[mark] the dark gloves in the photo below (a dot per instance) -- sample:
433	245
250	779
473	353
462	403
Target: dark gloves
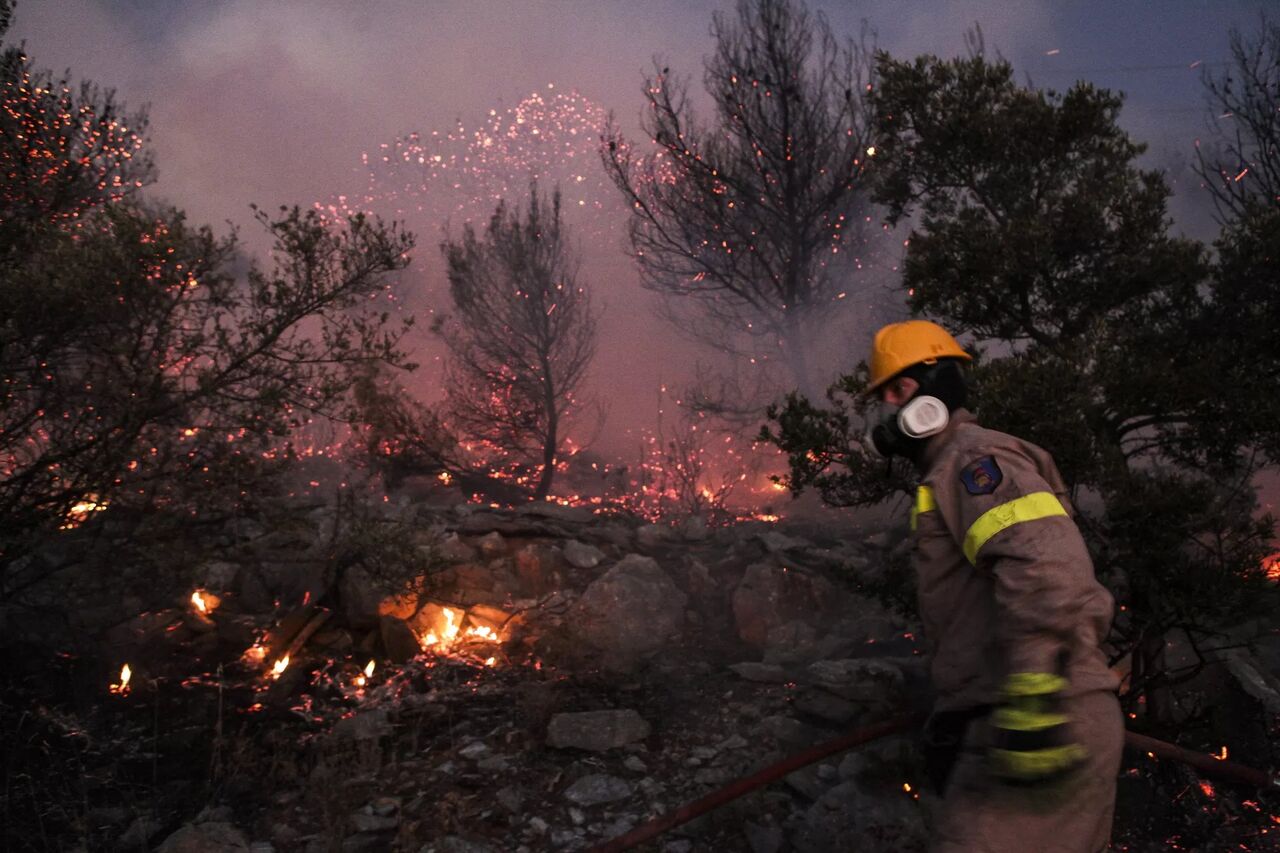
1030	740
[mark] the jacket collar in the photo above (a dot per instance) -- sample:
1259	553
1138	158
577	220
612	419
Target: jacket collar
934	445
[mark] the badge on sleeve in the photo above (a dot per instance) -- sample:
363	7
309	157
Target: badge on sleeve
981	477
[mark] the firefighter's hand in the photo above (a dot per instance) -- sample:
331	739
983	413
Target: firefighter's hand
1030	738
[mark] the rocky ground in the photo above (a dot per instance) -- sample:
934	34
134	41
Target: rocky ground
547	679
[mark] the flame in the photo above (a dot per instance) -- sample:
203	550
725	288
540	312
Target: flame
483	633
205	602
278	668
1271	566
81	510
123	687
490	661
1223	755
363	678
445	477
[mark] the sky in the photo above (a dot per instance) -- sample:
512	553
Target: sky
276	101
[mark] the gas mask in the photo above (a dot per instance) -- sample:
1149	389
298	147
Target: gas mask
903	431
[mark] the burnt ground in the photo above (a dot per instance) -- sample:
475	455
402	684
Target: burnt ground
445	753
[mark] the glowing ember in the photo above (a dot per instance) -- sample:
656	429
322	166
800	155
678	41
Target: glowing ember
81	510
255	654
1223	755
445	477
122	688
1206	787
490	661
205	602
278	668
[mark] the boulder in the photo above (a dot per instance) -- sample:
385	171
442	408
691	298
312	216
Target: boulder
596	788
770	595
398	639
596	731
872	683
631	611
582	556
213	837
539	567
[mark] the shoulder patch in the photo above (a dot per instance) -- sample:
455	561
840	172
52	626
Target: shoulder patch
981	476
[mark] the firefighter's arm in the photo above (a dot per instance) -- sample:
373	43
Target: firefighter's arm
1012	525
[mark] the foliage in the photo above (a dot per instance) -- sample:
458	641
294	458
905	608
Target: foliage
522	337
741	220
146	369
1104	338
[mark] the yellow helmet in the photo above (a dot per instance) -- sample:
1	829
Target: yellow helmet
900	345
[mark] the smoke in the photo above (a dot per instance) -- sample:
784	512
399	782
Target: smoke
277	103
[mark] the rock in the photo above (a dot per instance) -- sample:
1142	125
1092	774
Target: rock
139	832
460	844
596	731
848	818
538	568
398	639
770	595
763	673
217	575
827	706
367	725
734	741
538	825
694	529
762	839
209	837
873	683
650	536
492	544
788	731
630	611
792	643
474	750
453	549
360	598
577	816
635	764
680	845
807	782
510	799
582	556
361	822
597	788
775	542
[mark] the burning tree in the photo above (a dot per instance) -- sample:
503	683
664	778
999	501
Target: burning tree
522	335
746	218
145	371
1037	233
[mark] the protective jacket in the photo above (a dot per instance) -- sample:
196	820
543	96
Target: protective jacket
1006	585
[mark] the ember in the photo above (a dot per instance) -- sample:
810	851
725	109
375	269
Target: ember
278	668
81	510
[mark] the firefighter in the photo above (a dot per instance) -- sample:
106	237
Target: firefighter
1025	738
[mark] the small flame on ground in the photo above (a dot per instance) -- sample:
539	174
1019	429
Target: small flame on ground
363	678
123	687
81	510
490	661
278	668
1223	755
198	600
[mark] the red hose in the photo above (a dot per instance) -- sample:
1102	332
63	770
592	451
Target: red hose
1207	764
715	799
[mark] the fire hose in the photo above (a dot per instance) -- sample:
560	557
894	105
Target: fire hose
1210	765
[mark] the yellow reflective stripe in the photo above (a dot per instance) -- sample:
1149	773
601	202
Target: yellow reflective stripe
1038	763
1033	684
1016	720
924	503
1030	507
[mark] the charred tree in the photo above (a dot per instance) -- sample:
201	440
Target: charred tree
521	337
741	222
